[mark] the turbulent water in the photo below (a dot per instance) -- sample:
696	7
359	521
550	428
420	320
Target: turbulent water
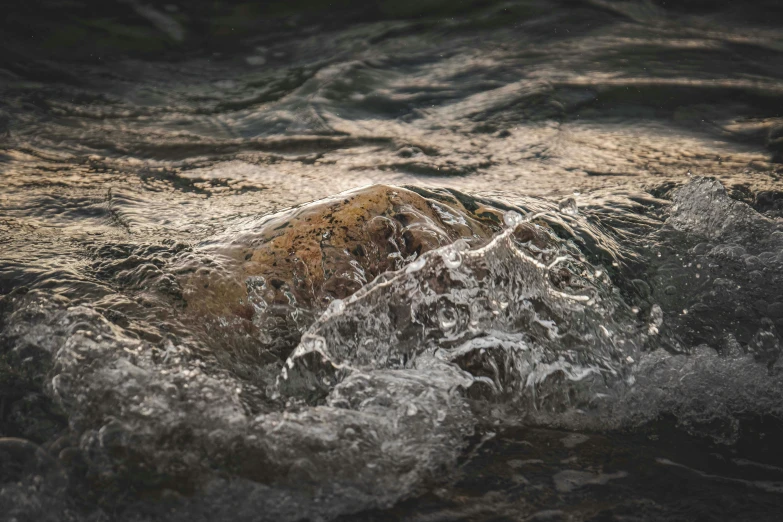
491	261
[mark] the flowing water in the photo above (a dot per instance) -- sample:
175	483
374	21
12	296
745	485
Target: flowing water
408	261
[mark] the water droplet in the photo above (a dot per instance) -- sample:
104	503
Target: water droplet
312	343
452	257
512	218
336	307
568	207
447	317
656	319
416	265
502	300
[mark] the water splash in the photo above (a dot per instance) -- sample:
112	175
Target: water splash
517	315
386	385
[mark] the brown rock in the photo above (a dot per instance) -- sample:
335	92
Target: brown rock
269	284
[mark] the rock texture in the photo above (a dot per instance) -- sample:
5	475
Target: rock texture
269	281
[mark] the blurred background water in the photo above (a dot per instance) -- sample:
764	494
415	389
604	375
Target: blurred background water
560	300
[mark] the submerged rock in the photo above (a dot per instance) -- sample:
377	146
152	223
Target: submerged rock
276	274
523	316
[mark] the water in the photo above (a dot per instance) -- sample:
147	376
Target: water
489	261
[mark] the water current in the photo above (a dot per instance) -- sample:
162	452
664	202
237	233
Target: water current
426	261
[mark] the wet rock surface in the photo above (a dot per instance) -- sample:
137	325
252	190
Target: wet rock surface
276	275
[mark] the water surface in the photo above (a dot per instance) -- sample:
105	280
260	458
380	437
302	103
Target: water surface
485	261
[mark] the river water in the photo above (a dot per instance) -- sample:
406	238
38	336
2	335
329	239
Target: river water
480	260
